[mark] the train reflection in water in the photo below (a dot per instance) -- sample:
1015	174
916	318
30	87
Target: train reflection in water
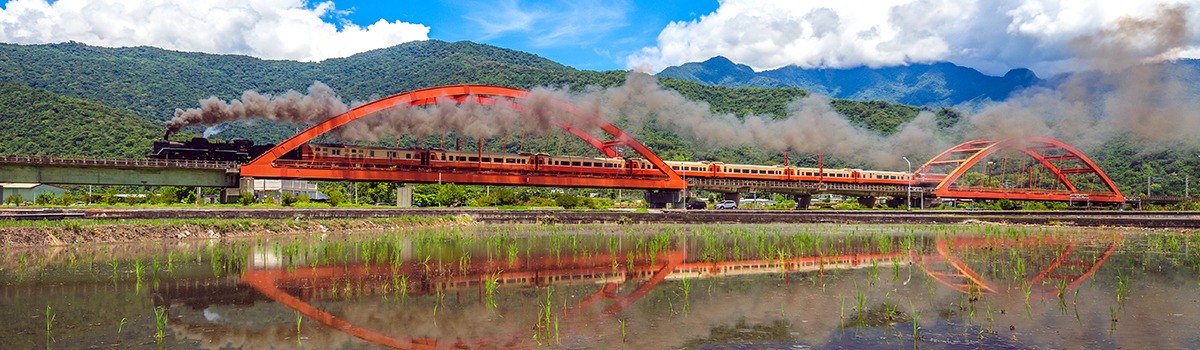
396	294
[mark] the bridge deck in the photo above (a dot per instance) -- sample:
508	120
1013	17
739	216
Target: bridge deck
136	172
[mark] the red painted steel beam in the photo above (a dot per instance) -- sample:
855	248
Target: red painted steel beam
264	166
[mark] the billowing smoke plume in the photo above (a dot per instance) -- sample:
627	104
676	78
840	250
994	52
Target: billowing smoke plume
1126	89
319	104
811	125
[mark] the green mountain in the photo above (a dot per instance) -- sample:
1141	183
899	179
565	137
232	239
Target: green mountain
39	122
935	85
152	82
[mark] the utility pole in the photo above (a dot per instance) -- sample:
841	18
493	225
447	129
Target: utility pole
908	205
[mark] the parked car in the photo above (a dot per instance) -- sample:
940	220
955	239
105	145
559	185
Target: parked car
726	204
697	205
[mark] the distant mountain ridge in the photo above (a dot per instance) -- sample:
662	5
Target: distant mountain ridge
933	85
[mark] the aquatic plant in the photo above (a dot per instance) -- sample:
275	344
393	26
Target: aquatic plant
489	286
50	326
916	323
160	322
299	319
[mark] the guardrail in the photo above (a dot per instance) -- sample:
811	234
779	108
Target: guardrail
141	163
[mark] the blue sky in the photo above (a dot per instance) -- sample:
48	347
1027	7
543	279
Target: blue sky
992	36
594	35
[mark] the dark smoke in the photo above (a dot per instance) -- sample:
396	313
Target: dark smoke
319	104
811	125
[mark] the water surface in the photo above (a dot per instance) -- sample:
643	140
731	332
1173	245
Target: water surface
616	286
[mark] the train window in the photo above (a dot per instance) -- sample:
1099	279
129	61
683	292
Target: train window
406	155
336	152
473	159
574	163
587	163
487	159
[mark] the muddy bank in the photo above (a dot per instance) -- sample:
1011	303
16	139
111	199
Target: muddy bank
69	232
79	226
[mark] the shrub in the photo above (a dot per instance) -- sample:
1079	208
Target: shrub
14	200
287	199
245	199
44	199
566	200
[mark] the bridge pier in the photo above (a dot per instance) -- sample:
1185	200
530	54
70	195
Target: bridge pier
895	201
665	199
733	196
803	201
867	201
404	196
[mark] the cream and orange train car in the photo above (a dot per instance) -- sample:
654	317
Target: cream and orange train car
376	157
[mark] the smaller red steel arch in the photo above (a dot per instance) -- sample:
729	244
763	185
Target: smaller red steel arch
965	279
980	149
264	165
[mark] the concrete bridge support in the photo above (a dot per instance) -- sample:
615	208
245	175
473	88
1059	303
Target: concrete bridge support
803	201
665	199
867	201
404	196
895	201
734	196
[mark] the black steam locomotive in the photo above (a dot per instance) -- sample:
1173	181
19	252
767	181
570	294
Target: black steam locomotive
200	148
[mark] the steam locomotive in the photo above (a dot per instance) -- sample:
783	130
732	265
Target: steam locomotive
200	148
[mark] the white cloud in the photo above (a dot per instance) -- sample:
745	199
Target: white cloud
991	35
273	29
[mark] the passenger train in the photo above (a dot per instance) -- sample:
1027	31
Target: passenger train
437	158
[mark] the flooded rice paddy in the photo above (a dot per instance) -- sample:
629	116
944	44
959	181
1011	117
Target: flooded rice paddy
616	286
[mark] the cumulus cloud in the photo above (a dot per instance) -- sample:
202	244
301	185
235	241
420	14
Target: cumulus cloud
273	29
990	35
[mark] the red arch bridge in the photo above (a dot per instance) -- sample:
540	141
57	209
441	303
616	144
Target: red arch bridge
1041	169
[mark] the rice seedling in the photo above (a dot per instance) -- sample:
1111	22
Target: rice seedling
299	320
121	325
860	298
916	323
490	290
160	322
50	316
1122	289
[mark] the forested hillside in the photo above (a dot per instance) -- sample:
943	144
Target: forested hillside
38	122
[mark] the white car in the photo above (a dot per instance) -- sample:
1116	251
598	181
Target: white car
726	204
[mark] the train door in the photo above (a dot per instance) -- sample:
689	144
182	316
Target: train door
423	156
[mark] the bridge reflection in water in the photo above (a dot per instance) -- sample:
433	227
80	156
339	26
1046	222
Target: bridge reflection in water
417	294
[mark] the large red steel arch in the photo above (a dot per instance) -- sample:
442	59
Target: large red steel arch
1045	151
268	166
